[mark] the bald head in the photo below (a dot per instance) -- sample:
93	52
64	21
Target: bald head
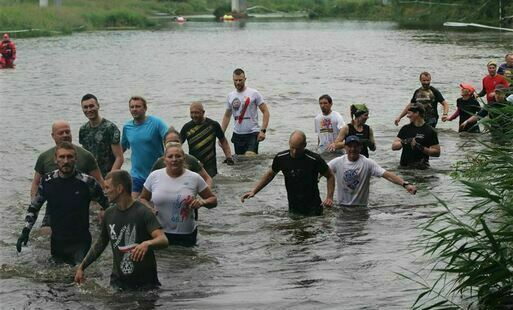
61	131
197	112
297	143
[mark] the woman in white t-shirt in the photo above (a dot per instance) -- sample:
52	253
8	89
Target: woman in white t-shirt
174	192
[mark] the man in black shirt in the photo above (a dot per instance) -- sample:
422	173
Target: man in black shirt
68	193
201	133
134	232
301	169
417	140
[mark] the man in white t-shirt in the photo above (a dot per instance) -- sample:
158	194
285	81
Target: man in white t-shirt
353	172
242	103
327	125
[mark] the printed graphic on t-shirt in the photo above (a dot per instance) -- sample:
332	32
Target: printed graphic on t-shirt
125	243
181	210
351	178
326	125
236	104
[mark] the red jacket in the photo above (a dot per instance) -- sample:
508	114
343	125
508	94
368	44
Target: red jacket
489	84
8	49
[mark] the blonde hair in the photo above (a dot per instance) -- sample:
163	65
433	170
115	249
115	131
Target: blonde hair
177	145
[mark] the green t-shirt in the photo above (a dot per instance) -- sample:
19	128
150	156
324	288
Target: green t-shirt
191	162
46	161
99	140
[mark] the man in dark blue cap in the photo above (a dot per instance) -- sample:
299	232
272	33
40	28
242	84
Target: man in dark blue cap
353	172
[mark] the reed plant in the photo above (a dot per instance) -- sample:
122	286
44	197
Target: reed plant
471	249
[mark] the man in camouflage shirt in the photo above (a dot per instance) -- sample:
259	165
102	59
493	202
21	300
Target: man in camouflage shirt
100	136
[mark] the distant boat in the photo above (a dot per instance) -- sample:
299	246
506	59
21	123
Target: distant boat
227	18
457	24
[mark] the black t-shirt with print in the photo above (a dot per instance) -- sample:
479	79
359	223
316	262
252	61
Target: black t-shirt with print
426	136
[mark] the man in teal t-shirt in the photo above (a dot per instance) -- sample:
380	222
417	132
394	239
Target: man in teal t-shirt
143	135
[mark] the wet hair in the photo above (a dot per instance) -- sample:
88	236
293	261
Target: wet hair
139	98
238	71
121	177
358	110
170	131
419	108
89	96
425	73
327	97
66	146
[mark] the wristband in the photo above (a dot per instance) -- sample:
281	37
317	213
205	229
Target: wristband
405	184
263	130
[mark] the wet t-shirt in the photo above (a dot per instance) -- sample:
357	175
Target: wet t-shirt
426	136
126	229
301	180
327	128
429	98
244	108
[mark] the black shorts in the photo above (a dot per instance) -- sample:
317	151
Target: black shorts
187	240
67	251
245	142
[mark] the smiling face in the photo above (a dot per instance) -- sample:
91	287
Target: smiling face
90	108
353	150
197	114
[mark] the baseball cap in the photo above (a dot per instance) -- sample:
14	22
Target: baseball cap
491	62
468	87
351	139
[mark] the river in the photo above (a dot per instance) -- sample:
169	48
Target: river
256	255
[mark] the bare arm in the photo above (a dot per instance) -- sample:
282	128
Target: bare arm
266	178
397	145
372	141
145	199
339	141
207	200
93	254
204	174
330	184
445	106
403	113
399	181
226	120
265	122
98	176
117	150
226	148
158	241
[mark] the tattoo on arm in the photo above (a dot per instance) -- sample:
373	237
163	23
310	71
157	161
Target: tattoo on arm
96	250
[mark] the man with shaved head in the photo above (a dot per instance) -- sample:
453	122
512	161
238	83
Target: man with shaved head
85	162
301	169
201	133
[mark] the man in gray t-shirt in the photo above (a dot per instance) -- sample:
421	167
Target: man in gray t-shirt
353	172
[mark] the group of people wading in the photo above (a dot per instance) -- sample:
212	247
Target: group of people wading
157	203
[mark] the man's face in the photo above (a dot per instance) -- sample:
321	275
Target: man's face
239	81
425	80
197	114
112	192
61	133
137	109
296	148
499	96
90	108
325	106
509	60
65	160
353	150
492	70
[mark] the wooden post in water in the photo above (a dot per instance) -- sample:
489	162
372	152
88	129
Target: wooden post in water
239	6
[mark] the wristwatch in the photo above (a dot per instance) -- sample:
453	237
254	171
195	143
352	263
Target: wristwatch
263	130
405	184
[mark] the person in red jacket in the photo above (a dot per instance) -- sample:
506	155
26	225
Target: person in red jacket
491	81
8	52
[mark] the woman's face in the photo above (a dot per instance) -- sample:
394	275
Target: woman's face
174	158
363	118
465	93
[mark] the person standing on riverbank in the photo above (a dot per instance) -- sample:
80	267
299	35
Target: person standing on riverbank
134	233
327	125
353	172
200	133
357	127
491	81
143	135
7	52
100	136
68	193
242	103
301	169
429	97
506	69
418	140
